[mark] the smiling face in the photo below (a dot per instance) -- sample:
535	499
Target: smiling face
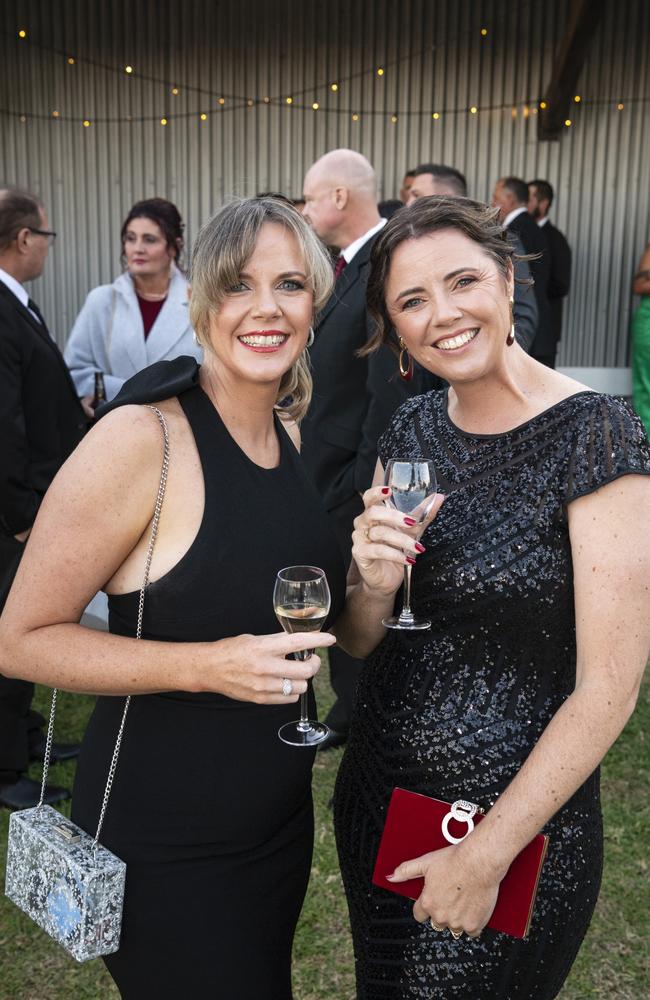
146	250
261	326
448	300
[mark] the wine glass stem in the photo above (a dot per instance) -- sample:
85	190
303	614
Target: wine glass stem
303	724
406	613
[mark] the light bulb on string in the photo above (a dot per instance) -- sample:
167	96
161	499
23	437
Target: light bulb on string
543	105
567	122
71	60
315	106
128	69
380	71
222	101
175	91
435	116
86	123
620	106
204	117
484	32
289	100
334	87
355	118
22	33
473	110
163	121
56	114
393	118
577	98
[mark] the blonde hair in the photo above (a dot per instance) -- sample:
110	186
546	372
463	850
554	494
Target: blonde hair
222	248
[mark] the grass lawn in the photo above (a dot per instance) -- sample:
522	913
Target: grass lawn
614	962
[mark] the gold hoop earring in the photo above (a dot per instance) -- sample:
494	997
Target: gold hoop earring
510	339
405	370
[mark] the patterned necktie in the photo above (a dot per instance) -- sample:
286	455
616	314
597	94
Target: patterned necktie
339	266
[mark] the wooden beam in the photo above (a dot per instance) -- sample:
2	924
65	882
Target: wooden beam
559	94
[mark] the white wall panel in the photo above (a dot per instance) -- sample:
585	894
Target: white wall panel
434	58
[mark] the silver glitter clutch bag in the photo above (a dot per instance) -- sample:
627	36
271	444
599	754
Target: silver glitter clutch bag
63	878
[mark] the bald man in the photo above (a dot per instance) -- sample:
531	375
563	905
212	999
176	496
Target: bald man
354	398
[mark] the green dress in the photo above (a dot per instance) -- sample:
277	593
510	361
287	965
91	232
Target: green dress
641	361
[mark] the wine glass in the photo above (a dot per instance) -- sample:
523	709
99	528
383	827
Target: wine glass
301	599
413	486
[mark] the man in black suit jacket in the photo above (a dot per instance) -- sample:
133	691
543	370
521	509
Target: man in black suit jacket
540	199
511	197
41	422
354	398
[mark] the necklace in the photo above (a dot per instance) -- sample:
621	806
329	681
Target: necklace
153	296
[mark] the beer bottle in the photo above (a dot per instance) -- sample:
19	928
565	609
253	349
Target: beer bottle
100	391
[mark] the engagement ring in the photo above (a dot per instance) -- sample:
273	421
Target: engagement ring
287	687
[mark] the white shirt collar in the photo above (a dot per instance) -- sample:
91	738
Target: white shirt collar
511	216
14	286
350	251
542	222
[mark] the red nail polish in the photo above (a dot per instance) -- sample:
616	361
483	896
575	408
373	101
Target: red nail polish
411	561
385	490
420	547
409	521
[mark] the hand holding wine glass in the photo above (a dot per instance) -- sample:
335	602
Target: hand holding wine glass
301	599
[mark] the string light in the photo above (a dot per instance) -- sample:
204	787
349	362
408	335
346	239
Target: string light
380	71
70	60
175	91
204	117
289	100
484	32
577	98
620	106
567	122
334	87
315	106
355	118
473	110
222	101
163	121
55	114
267	100
543	105
526	111
514	112
250	102
128	69
23	119
435	116
393	118
86	123
22	33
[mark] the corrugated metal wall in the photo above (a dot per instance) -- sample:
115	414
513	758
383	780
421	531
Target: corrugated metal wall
434	59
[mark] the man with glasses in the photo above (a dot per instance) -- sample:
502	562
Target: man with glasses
41	422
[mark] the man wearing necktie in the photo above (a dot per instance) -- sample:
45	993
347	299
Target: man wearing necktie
354	398
41	422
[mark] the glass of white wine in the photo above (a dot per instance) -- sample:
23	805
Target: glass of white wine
413	486
301	599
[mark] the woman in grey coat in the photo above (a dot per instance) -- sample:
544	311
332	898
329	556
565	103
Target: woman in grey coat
143	316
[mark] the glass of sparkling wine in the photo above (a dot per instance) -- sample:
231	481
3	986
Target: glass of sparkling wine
413	487
301	599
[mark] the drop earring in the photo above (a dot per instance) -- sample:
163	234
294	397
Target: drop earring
510	339
405	370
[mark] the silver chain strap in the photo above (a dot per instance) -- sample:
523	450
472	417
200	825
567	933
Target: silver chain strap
138	634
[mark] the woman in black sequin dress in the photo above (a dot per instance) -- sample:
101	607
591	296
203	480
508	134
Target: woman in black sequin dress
535	575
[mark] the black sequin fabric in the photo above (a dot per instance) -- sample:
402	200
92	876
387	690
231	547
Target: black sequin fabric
454	712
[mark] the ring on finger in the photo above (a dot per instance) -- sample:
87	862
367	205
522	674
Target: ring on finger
436	927
287	686
455	934
367	532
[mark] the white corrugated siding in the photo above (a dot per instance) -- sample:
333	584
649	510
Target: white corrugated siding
434	59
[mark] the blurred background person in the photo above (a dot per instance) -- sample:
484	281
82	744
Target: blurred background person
143	316
540	199
436	178
405	187
641	341
511	198
353	398
388	208
41	422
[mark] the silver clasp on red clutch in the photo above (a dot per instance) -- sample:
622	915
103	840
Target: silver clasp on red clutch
462	812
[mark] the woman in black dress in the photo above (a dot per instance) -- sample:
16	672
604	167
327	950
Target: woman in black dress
535	575
211	812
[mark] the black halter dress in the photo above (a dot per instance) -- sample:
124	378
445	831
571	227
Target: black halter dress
211	812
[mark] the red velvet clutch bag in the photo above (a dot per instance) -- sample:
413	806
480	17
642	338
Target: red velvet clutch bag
416	825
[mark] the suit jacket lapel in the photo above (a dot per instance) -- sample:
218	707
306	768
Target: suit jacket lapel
347	280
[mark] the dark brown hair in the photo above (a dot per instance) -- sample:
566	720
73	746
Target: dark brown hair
479	222
165	215
18	210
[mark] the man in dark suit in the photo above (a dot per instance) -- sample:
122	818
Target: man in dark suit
444	181
41	422
354	398
540	199
511	197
